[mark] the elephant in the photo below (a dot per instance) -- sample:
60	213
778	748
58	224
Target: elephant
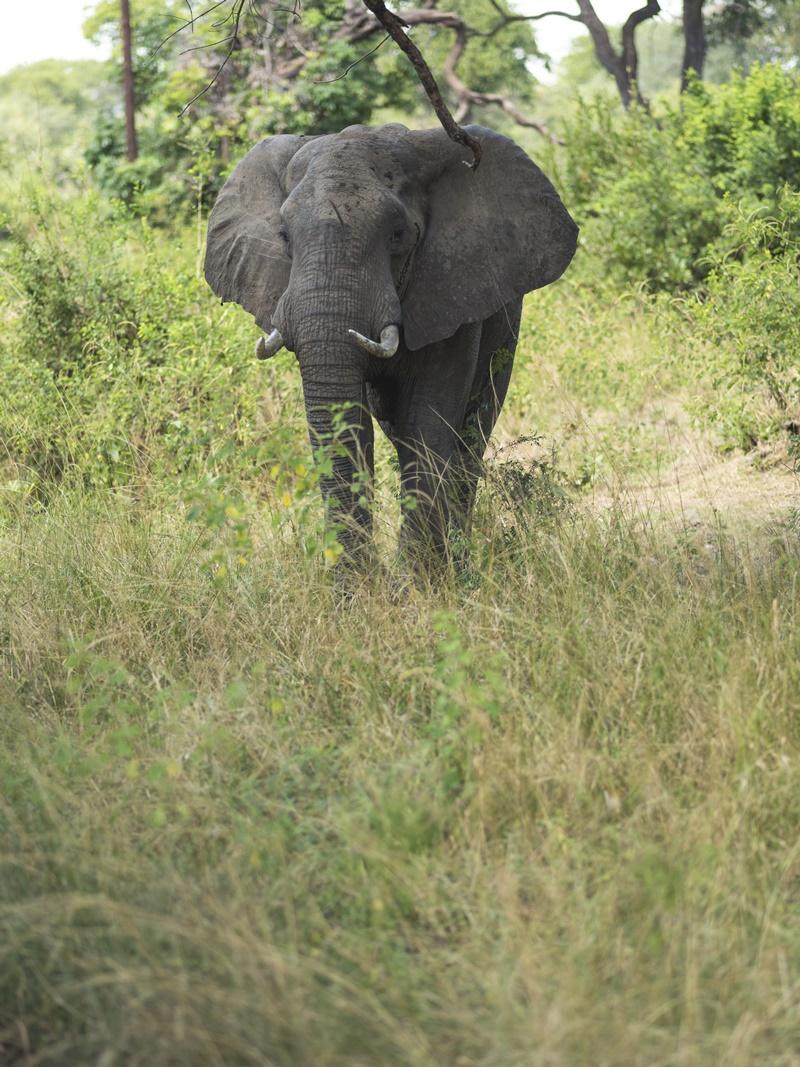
394	269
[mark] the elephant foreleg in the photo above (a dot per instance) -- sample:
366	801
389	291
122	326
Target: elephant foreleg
425	500
489	388
427	419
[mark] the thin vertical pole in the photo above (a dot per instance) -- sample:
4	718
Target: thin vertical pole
127	82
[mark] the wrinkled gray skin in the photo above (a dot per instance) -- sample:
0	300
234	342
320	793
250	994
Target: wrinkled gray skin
377	226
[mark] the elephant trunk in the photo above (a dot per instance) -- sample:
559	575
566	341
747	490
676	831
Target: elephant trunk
330	294
340	427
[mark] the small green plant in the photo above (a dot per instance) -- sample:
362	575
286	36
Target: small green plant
536	491
468	699
224	517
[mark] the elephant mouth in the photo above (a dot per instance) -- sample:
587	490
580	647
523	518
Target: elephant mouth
385	348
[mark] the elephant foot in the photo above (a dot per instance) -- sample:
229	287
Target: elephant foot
358	573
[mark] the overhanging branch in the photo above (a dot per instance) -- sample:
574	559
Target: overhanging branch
359	25
395	28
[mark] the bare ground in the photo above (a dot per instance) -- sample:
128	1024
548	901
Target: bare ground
697	485
703	487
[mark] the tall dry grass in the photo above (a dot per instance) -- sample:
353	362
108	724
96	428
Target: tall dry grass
545	813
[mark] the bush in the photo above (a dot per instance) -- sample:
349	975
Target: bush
744	134
117	357
655	193
750	314
74	295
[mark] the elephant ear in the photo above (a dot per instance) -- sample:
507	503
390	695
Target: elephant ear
246	260
491	235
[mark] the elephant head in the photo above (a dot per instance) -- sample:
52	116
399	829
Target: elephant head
345	245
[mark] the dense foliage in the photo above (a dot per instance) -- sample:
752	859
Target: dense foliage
117	348
750	314
235	94
655	193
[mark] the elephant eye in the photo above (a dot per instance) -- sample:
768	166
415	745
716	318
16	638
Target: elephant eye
397	235
283	233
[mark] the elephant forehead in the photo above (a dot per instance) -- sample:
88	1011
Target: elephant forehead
340	196
357	156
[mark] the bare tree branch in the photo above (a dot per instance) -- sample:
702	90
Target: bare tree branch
467	97
394	27
630	59
346	71
236	11
361	25
506	18
183	25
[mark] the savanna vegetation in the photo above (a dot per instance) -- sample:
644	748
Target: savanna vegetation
541	811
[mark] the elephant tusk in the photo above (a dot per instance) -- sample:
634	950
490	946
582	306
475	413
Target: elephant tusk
266	347
383	349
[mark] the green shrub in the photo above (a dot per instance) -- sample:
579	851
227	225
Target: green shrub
117	358
744	135
654	193
645	211
750	315
74	296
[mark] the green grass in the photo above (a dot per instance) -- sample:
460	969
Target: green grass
545	814
605	377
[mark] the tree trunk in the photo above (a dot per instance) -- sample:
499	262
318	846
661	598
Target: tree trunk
622	66
127	81
694	41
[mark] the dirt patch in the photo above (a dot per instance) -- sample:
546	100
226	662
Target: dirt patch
702	487
696	485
